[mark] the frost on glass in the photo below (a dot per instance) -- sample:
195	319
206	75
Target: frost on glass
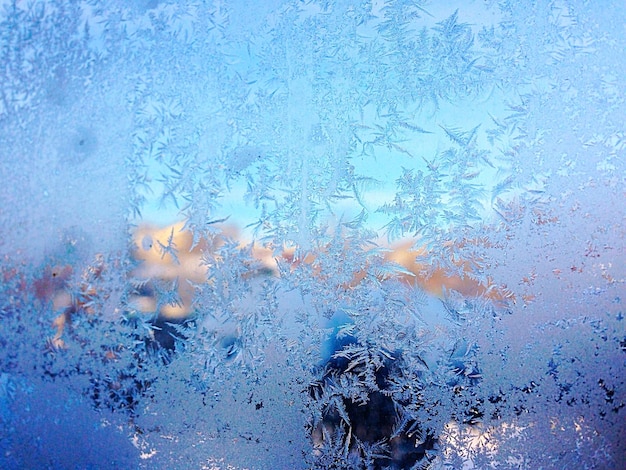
312	234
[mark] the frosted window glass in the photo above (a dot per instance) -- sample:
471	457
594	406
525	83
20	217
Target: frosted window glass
312	235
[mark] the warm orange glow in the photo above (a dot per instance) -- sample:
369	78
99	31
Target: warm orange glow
168	254
433	281
437	281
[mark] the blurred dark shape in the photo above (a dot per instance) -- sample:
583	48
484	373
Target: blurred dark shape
378	424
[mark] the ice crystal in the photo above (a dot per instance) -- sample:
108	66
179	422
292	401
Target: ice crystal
312	234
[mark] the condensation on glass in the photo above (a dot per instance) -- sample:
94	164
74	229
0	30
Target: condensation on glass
260	235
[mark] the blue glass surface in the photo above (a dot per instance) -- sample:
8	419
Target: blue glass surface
310	234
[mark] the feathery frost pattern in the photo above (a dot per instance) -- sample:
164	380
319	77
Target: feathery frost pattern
312	235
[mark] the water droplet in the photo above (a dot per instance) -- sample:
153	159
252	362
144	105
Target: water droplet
146	242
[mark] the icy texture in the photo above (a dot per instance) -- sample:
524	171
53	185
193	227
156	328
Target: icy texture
312	234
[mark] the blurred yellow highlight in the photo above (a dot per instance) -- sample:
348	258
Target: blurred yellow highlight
168	254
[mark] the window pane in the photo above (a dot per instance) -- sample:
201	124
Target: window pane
289	234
